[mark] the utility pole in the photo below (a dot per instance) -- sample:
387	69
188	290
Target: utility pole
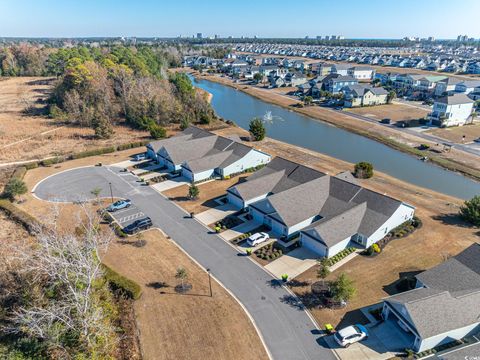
111	192
209	282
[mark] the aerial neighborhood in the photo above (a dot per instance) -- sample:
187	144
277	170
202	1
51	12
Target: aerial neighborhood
262	192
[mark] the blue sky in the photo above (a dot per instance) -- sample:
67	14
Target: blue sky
265	18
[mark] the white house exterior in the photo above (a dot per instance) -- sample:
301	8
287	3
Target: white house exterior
233	160
455	110
326	213
200	155
361	72
444	305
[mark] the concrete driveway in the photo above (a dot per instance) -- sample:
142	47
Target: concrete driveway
293	263
215	214
238	230
288	332
170	184
385	339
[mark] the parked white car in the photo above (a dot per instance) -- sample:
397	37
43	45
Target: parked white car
350	335
258	238
140	157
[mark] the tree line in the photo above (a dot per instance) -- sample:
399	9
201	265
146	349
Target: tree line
99	87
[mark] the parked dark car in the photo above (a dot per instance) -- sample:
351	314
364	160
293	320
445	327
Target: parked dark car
386	121
138	225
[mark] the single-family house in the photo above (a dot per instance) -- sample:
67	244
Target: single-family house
428	83
474	68
295	78
340	69
225	158
364	95
361	72
455	110
199	154
323	69
444	306
446	86
467	86
334	83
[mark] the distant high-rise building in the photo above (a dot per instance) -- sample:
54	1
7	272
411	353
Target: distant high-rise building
431	38
199	35
216	36
306	37
327	37
319	37
333	37
462	38
341	37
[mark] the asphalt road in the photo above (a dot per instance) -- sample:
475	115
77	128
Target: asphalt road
287	330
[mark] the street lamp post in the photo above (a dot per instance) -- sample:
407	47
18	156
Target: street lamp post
111	192
209	282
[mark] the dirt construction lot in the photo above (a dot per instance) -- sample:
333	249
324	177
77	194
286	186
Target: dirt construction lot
182	326
456	134
395	112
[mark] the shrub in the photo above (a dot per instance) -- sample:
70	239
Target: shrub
193	191
52	161
376	248
94	152
31	165
19	172
249	251
257	129
157	131
28	221
363	170
130	287
284	277
15	187
119	231
342	288
470	211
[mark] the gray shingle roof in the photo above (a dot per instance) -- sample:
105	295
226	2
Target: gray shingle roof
279	175
463	353
455	99
189	133
451	298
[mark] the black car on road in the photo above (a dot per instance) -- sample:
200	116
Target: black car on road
138	225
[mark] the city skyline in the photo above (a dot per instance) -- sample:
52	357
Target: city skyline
52	18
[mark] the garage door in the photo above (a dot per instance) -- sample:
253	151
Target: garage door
313	245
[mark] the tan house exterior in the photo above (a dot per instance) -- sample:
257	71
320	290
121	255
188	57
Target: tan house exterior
360	95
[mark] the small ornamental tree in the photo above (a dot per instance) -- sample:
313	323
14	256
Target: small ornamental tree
182	275
193	191
323	270
308	100
257	129
258	77
390	96
470	211
342	288
157	131
14	188
363	170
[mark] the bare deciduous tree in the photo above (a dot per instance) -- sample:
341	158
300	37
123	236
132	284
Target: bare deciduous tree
69	270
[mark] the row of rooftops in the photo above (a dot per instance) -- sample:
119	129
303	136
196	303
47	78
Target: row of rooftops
340	207
200	149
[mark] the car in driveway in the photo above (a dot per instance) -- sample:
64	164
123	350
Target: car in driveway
351	334
138	225
119	205
257	238
139	157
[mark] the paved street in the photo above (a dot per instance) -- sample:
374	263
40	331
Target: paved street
287	330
